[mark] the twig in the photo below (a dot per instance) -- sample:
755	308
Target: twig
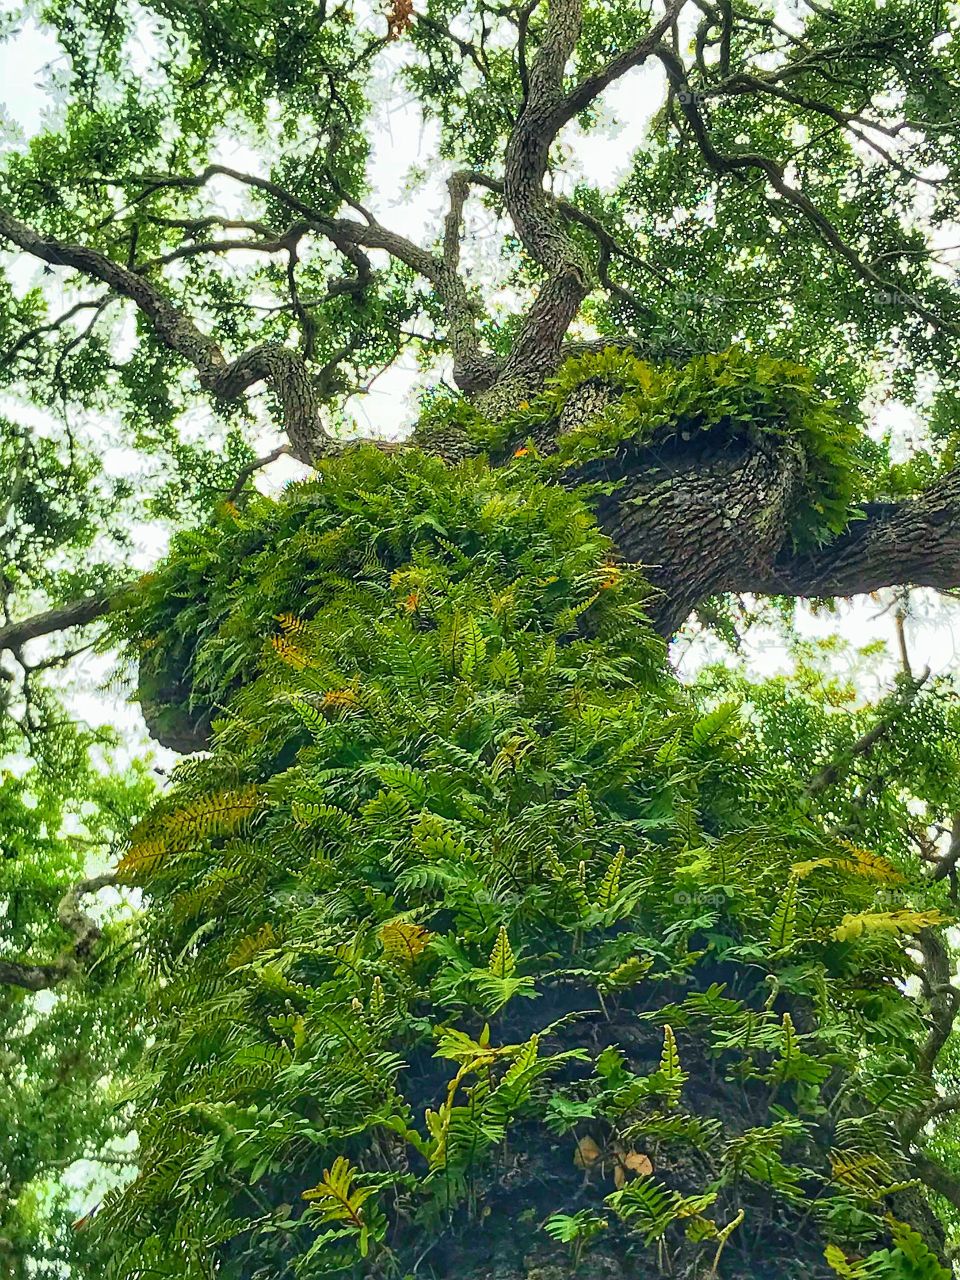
838	769
254	466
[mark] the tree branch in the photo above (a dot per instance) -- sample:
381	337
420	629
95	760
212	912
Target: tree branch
937	1177
280	366
75	614
253	467
947	865
84	931
915	542
740	162
472	368
537	220
942	997
836	770
579	98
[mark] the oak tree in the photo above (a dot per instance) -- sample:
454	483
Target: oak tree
476	942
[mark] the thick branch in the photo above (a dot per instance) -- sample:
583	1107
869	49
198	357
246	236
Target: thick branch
937	1177
947	865
943	998
916	542
177	331
538	221
349	236
284	369
76	614
580	97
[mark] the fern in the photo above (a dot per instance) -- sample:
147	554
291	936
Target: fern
672	1076
419	825
783	922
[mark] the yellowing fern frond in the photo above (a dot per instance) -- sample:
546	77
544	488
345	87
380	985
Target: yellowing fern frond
219	813
403	940
502	960
141	860
289	653
340	700
610	885
291	624
263	940
894	922
674	1077
335	1196
870	865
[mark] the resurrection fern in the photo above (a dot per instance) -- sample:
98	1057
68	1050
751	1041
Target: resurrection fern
730	393
468	913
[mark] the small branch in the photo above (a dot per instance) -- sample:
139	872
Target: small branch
349	237
51	326
943	998
740	162
76	614
588	90
937	1177
284	369
900	620
254	466
942	1106
947	865
838	769
83	929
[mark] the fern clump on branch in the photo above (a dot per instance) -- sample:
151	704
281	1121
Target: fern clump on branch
467	926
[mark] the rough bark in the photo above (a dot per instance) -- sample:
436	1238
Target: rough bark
696	518
75	614
713	518
717	525
915	542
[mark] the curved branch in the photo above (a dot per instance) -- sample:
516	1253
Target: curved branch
280	366
536	217
177	331
472	368
252	467
740	162
943	999
85	934
915	542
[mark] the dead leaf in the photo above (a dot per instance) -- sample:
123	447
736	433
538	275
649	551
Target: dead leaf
586	1154
636	1162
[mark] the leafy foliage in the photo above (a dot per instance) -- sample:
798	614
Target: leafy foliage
58	1115
405	851
471	905
733	393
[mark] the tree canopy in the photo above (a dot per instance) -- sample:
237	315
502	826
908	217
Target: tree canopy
473	939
